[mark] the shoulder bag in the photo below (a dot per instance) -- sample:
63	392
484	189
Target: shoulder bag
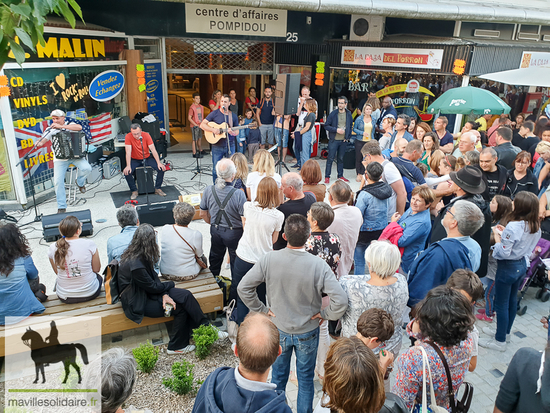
423	406
199	260
457	406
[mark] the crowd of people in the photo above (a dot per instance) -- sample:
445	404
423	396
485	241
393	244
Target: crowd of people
437	228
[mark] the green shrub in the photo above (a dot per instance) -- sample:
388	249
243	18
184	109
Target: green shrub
184	380
146	356
204	337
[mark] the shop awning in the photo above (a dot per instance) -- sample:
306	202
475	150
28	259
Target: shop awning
530	76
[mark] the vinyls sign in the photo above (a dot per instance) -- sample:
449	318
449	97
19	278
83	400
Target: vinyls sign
106	85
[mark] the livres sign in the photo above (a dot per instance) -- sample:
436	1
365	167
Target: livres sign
378	56
230	20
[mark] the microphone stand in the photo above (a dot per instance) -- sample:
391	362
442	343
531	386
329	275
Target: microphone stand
144	170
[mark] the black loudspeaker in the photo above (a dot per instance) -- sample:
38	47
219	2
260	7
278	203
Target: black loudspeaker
157	214
287	93
142	186
50	224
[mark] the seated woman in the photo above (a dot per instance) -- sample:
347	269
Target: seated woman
383	288
17	271
416	223
76	262
179	245
144	295
444	318
312	176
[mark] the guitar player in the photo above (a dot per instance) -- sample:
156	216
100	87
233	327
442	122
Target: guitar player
225	147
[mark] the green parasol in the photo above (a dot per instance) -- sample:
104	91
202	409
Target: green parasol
469	99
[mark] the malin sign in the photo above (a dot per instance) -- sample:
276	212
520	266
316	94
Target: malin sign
106	85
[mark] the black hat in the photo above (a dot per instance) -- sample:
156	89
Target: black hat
469	179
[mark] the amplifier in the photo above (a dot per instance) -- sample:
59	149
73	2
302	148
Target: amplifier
95	156
50	224
96	175
142	186
157	214
111	168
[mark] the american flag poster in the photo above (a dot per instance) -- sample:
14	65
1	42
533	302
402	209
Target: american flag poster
96	129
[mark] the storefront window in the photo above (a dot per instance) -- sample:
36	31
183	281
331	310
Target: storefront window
411	98
6	184
36	92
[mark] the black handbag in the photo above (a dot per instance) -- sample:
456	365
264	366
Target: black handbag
457	406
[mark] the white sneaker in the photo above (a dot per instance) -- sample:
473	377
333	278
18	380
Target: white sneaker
222	334
492	332
492	344
185	350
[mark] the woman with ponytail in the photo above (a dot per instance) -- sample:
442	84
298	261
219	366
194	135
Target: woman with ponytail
76	263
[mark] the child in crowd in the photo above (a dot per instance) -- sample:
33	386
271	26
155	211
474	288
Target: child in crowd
196	115
242	171
423	168
514	245
282	126
327	247
373	202
501	207
469	285
253	136
243	133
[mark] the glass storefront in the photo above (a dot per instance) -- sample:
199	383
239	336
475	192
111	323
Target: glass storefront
357	84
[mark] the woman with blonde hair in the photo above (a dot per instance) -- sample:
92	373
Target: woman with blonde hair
242	171
214	103
387	124
76	262
364	128
262	222
264	166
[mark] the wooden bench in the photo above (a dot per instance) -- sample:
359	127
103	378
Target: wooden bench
113	320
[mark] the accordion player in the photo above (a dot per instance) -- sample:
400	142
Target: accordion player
68	144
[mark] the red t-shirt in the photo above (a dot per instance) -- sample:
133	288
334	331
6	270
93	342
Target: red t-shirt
248	100
197	113
136	144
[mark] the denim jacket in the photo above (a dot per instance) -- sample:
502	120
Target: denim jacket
117	244
374	208
359	125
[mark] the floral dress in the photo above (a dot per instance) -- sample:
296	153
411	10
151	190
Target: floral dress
326	246
408	384
362	296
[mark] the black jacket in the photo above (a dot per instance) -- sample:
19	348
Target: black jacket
482	236
528	183
138	283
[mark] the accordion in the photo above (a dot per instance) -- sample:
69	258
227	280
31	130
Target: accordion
69	144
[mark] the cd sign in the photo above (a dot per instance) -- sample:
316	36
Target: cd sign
106	85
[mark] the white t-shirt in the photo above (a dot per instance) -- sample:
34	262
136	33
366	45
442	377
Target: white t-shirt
391	174
78	278
176	257
253	180
259	227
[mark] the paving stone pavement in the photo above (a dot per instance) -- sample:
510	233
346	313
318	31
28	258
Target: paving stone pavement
527	331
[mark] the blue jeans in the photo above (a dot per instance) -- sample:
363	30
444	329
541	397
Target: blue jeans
305	345
240	268
490	299
359	258
219	152
281	134
241	138
305	153
509	276
338	149
59	168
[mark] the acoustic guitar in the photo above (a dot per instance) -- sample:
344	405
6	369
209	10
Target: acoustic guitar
213	138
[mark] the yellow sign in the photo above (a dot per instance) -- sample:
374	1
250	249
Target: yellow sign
64	48
399	89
